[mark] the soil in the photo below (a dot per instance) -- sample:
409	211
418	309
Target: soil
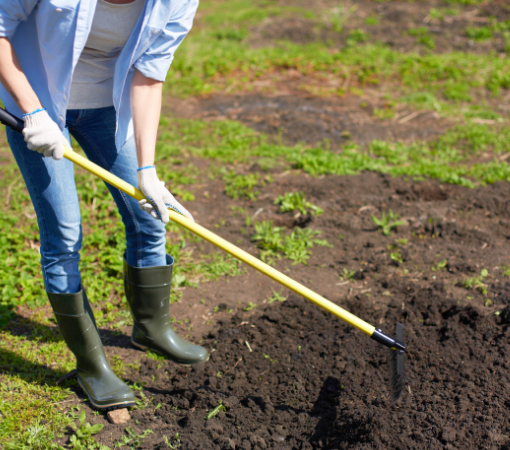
291	376
394	20
298	117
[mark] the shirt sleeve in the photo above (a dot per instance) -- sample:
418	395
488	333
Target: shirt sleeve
12	12
155	62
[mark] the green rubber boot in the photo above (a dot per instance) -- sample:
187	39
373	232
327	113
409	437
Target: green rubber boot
76	322
148	294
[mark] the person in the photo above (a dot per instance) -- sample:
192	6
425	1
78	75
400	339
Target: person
94	69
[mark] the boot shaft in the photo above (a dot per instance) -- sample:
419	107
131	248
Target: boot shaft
148	292
77	325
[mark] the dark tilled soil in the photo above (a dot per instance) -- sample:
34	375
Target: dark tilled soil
292	376
298	117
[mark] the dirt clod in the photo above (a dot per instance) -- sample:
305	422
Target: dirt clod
119	416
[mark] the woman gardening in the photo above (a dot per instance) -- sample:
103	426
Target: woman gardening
95	69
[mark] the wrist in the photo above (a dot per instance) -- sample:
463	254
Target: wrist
35	111
145	168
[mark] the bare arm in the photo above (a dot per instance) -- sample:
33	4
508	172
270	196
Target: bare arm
146	96
14	80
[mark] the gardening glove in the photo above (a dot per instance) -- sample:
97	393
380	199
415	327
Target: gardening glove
158	199
43	135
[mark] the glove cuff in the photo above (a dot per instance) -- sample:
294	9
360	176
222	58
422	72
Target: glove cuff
147	176
37	118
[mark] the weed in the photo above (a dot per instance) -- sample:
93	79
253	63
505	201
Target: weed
83	437
388	222
154	355
250	306
395	255
239	186
215	411
339	15
440	266
272	361
217	264
477	282
177	443
143	401
356	36
479	33
423	37
132	438
347	274
276	297
506	270
295	247
290	201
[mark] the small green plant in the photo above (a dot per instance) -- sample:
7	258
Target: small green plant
388	222
395	255
440	266
239	186
82	439
479	33
423	37
347	274
277	297
506	270
175	445
273	361
477	282
339	15
295	246
356	36
215	411
250	306
291	201
132	438
154	355
143	401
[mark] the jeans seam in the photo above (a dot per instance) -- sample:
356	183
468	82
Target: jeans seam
124	198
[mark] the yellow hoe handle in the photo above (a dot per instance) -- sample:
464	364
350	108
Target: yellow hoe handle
224	245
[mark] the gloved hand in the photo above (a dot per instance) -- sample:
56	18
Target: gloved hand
158	198
43	135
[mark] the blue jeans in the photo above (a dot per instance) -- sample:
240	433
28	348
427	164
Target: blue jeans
52	189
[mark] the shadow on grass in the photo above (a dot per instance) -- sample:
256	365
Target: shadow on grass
34	331
13	364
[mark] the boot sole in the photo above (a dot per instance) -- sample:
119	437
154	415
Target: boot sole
143	347
109	407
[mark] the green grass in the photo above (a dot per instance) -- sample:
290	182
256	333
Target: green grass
447	158
275	243
292	201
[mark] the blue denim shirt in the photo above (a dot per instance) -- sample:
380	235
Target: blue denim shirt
49	36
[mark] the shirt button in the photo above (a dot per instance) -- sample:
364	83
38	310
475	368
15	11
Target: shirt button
58	10
65	97
61	117
156	31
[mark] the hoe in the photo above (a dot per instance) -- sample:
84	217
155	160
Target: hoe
396	345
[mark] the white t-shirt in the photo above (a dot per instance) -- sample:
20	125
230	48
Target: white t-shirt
92	83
